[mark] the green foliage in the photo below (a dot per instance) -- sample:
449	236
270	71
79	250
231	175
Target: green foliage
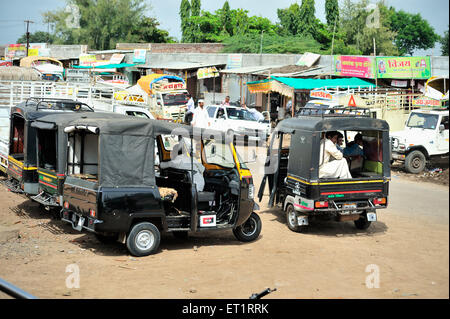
185	14
413	32
37	37
332	12
444	44
225	18
289	19
103	23
307	19
359	30
250	43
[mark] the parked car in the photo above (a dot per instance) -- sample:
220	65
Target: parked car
424	138
237	121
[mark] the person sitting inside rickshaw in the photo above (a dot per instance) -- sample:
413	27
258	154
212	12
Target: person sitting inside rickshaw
332	163
180	160
355	148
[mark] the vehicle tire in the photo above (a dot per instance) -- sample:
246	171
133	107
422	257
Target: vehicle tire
143	239
249	230
362	223
180	234
106	239
291	220
415	162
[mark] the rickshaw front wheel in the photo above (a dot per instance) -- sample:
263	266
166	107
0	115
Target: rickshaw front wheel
292	220
143	239
249	230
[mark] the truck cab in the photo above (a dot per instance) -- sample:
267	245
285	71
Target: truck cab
424	138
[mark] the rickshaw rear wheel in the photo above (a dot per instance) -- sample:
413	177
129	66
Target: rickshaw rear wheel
292	220
362	223
143	239
249	230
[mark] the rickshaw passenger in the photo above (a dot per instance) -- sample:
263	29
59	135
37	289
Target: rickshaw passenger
332	162
355	148
181	161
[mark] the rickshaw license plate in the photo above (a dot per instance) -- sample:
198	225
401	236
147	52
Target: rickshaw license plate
349	206
372	217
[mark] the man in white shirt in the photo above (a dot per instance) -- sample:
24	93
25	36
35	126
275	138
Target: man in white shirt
190	109
226	102
332	163
201	117
256	114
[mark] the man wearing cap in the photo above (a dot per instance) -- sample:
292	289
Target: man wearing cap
201	117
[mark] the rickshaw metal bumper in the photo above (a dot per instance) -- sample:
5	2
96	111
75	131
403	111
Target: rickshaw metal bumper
80	222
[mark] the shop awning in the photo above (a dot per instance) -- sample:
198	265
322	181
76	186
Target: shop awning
310	84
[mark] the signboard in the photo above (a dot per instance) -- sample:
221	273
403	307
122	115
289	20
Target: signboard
206	73
354	66
33	52
5	63
139	55
116	58
234	61
87	59
16	51
404	67
321	94
426	102
308	59
173	86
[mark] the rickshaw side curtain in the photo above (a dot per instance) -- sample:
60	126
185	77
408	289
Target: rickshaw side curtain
302	143
126	160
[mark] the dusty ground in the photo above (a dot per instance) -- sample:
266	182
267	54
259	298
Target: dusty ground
410	250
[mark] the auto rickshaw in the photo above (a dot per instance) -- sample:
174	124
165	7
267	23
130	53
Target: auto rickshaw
51	141
119	190
292	170
22	170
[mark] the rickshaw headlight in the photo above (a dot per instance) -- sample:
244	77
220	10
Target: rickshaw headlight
251	191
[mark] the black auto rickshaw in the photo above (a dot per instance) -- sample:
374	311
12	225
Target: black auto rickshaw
292	170
22	170
118	190
52	141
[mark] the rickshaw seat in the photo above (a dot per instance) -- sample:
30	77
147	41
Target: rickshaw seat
206	196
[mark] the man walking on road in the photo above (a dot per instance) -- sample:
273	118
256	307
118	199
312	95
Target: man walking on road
201	117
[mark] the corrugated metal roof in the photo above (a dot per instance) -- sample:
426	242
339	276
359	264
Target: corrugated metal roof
178	65
251	69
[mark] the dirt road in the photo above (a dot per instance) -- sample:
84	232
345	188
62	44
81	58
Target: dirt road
408	247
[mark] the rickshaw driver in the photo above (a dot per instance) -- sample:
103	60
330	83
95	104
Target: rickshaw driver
332	162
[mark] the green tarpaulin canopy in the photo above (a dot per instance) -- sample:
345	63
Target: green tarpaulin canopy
310	84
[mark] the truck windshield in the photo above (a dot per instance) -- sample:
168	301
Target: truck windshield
239	114
421	120
171	99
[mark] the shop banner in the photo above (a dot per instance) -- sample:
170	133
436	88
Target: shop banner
87	59
16	51
404	67
206	73
354	66
234	61
139	55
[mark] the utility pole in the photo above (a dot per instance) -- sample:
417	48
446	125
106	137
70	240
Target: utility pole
28	33
375	57
332	47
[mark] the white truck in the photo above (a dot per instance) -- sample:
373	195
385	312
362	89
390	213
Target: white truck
424	138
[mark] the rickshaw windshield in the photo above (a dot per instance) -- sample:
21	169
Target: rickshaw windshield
218	153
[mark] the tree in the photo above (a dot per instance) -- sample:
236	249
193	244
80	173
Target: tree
413	32
195	12
307	18
185	14
289	19
103	23
444	44
37	37
225	18
332	12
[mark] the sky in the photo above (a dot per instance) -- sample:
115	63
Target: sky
13	14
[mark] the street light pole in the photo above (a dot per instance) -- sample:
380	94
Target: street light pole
28	33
